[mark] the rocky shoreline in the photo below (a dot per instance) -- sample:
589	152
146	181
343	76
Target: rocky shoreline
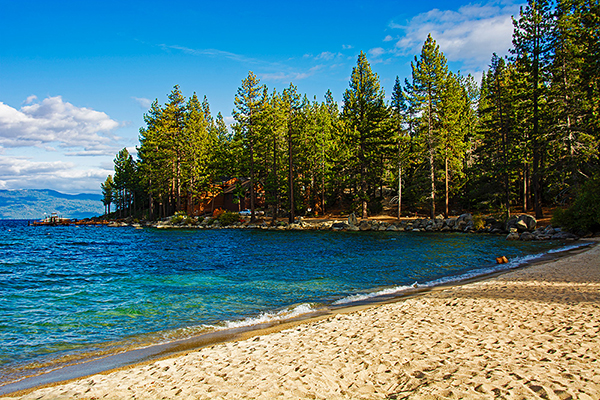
522	227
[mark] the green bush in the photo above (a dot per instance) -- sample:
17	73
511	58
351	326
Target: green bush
228	218
584	215
179	217
478	222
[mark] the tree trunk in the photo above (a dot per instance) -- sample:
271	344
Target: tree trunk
447	195
525	187
292	216
431	158
399	190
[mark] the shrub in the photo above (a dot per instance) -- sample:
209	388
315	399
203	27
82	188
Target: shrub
179	217
478	222
584	215
228	218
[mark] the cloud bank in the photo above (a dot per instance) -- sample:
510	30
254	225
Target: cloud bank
469	35
56	121
67	177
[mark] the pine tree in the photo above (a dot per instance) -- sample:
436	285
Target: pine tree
455	114
197	147
533	31
429	73
174	125
364	113
399	115
107	193
249	100
124	181
573	143
156	161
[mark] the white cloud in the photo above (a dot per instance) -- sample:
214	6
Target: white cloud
327	55
229	121
469	35
67	177
56	121
284	76
30	99
376	52
347	47
143	102
388	38
291	76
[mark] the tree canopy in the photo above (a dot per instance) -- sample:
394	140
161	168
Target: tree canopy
527	136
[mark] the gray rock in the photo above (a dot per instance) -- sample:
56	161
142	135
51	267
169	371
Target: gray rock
521	226
365	226
526	236
564	236
465	217
339	225
512	236
529	221
352	220
353	228
392	228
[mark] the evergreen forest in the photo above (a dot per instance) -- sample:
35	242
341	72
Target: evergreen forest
524	139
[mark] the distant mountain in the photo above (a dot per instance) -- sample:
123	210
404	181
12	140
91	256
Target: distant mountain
33	204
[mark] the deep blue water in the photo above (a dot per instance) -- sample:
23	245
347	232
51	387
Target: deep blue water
67	292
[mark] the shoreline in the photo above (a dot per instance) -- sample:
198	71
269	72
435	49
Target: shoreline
178	349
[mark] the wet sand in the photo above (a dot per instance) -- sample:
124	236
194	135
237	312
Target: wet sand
532	333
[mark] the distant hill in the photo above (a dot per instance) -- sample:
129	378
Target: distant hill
33	203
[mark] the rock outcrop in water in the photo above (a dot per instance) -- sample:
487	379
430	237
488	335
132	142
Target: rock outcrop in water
522	227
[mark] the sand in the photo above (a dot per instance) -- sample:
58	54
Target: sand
533	333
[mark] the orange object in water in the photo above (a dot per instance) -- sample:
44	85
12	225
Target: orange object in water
501	260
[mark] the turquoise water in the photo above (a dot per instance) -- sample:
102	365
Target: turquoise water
71	292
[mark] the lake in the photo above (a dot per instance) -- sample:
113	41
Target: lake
77	292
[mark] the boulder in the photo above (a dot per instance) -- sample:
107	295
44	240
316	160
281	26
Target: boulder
339	226
526	236
529	221
392	228
564	236
521	226
467	217
512	236
364	225
352	220
353	228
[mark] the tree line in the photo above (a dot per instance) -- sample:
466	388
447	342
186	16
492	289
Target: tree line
527	136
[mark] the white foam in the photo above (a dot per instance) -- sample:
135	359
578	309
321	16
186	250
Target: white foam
399	290
268	317
570	247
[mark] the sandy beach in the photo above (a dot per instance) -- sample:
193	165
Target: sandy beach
533	333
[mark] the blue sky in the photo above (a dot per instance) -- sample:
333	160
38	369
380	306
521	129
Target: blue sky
77	76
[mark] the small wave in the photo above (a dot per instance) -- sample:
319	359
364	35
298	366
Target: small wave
268	317
397	290
570	247
400	290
